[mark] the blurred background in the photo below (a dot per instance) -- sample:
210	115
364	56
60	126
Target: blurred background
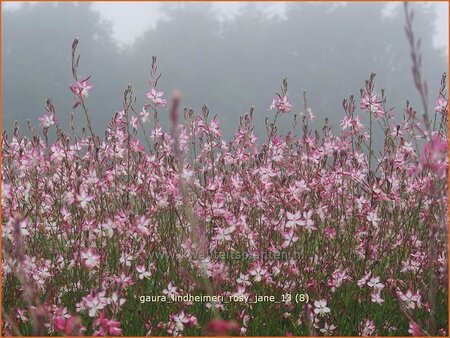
229	56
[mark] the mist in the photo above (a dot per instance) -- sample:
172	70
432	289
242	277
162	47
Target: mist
228	56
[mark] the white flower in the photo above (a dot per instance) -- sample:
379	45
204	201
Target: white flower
308	223
327	330
374	282
243	279
144	115
171	290
143	273
90	258
293	219
126	259
96	304
47	120
115	298
179	321
258	273
375	297
373	218
240	293
321	307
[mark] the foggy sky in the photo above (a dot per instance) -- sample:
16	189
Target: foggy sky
235	57
130	19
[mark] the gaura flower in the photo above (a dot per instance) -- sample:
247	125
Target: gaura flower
156	97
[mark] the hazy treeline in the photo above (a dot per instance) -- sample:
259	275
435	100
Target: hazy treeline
229	65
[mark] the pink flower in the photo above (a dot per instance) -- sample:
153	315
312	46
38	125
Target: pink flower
142	271
156	97
68	325
126	258
367	328
134	122
113	328
289	238
330	232
144	115
307	222
375	297
83	198
281	103
372	104
240	293
60	323
116	300
219	327
95	303
434	154
223	234
409	298
82	88
337	279
21	315
327	330
90	258
414	329
178	322
294	219
243	279
348	123
142	225
375	283
47	120
373	218
258	273
107	327
442	332
171	291
441	105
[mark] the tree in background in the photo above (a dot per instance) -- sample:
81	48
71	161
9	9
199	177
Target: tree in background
36	61
325	50
230	65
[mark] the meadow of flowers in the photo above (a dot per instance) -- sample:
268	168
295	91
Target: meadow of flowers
305	233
